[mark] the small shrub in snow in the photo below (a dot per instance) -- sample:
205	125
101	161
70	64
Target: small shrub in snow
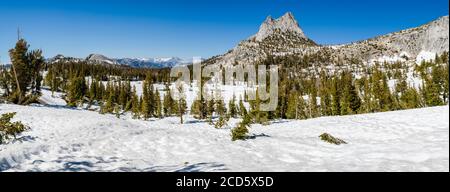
330	139
221	122
240	132
8	128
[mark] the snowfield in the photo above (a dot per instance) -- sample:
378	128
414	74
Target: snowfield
63	139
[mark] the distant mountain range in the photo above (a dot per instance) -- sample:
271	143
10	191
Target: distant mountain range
284	37
167	62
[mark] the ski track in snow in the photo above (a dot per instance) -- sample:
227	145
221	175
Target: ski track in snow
63	139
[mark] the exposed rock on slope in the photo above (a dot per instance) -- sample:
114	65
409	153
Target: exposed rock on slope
283	36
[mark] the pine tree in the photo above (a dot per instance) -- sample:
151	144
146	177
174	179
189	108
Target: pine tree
168	102
445	77
431	93
387	101
410	99
158	105
350	101
242	109
146	106
5	81
21	70
135	107
122	99
117	110
439	80
182	105
324	94
36	61
240	132
210	108
261	117
335	98
313	101
291	112
93	91
366	105
108	107
195	109
300	108
220	107
145	110
232	110
77	91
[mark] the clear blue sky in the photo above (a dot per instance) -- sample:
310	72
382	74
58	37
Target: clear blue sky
140	28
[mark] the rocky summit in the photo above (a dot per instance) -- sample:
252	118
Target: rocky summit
286	23
284	37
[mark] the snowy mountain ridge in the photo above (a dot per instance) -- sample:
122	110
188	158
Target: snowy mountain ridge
283	36
163	62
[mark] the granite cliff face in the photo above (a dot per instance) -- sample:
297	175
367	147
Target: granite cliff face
283	36
286	23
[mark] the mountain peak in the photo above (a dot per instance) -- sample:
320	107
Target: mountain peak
285	23
288	16
99	58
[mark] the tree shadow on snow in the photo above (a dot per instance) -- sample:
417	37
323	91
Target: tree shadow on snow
279	121
57	107
254	136
199	167
77	166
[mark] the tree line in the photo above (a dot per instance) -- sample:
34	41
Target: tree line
303	94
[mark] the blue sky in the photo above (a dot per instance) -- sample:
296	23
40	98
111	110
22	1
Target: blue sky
144	28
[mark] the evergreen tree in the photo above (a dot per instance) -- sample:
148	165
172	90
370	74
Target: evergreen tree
313	101
77	91
5	81
145	109
232	110
37	62
135	107
182	105
158	107
117	110
410	99
240	132
210	108
93	91
300	108
350	101
21	70
108	107
195	109
25	72
242	109
291	112
324	94
432	93
335	98
147	106
168	103
220	107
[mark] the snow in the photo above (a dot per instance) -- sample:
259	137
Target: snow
388	59
225	92
63	139
425	56
53	100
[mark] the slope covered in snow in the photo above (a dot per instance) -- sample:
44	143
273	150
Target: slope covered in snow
63	139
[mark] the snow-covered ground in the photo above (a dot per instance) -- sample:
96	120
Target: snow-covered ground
63	139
